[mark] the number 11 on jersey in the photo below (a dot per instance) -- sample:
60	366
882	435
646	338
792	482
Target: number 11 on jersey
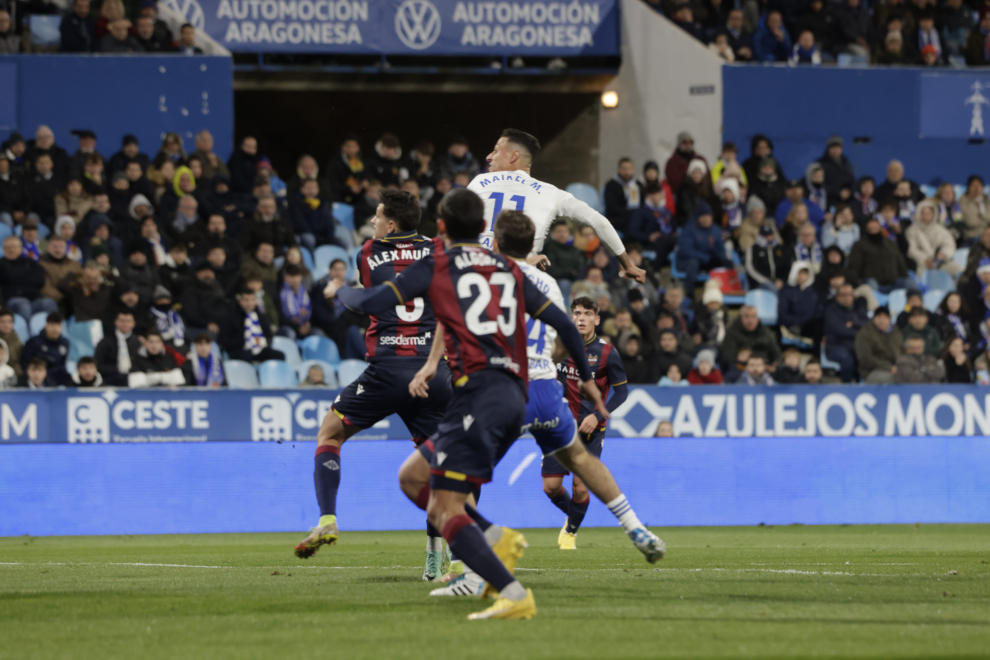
499	198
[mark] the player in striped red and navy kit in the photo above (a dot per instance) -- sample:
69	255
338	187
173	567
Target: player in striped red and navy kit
482	300
399	340
609	374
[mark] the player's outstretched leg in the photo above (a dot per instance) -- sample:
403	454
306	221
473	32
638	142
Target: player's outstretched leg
599	481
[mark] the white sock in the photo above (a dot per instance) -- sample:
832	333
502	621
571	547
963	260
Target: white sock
621	509
493	534
434	544
514	591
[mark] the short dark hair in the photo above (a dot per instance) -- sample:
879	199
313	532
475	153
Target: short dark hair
586	303
918	311
86	360
390	140
202	338
54	317
514	232
152	332
292	270
6	312
337	261
350	136
625	159
186	25
523	139
730	146
463	213
38	362
402	208
972	178
124	312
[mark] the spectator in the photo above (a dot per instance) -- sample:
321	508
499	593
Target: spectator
740	39
954	311
853	28
975	207
163	316
592	286
204	302
673	378
865	204
314	377
765	260
346	170
925	36
749	230
958	368
665	429
728	165
842	231
706	372
267	226
799	307
36	376
843	321
720	46
652	225
878	345
806	51
890	225
620	328
86	295
203	368
771	41
748	332
41	188
78	30
956	21
246	335
837	168
386	163
813	373
261	264
931	246
458	159
768	185
44	143
212	165
12	340
918	326
915	365
140	274
297	308
50	346
789	371
760	147
676	169
10	43
710	318
623	196
126	300
8	379
130	151
756	372
176	271
154	365
794	199
895	174
86	374
151	243
57	266
65	229
640	370
565	259
187	40
149	39
668	352
312	217
243	165
729	199
700	246
949	211
976	43
13	201
684	18
118	38
117	350
696	188
33	246
21	281
892	52
876	261
736	369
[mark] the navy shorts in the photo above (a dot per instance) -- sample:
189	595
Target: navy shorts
593	442
383	390
548	416
482	422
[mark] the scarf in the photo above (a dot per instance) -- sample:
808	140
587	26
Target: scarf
73	251
733	215
819	196
906	208
207	371
123	355
31	251
867	204
169	323
959	324
812	254
312	202
158	249
297	306
765	379
662	215
886	227
254	337
631	190
929	39
950	214
181	222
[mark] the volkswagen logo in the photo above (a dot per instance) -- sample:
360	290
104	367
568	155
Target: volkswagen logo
417	24
189	10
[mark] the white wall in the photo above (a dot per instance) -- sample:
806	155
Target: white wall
660	65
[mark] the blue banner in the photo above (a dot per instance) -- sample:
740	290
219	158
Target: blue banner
208	415
409	27
952	106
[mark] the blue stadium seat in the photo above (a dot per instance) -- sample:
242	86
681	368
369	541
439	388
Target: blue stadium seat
38	321
289	348
71	367
349	370
939	279
961	256
927	190
21	328
896	302
680	274
329	373
344	213
276	373
828	364
765	303
320	348
933	298
327	254
587	194
83	338
307	258
240	375
5	231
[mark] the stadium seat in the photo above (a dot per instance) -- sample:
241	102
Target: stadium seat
344	213
307	258
927	190
679	274
289	348
276	373
320	348
329	373
933	298
587	194
21	328
327	254
5	231
240	375
939	279
38	324
83	338
349	370
896	302
765	303
71	367
961	256
828	364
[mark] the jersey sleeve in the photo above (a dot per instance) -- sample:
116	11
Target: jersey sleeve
415	280
615	370
568	205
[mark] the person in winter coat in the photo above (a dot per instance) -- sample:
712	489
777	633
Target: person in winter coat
805	51
710	318
8	378
878	345
768	185
267	226
918	326
975	207
50	346
765	261
87	295
204	368
139	273
21	281
78	30
838	169
652	225
86	374
876	261
623	196
771	43
760	147
799	307
844	318
243	165
749	230
12	341
706	372
640	369
930	244
386	164
204	304
312	217
864	204
700	247
246	332
853	27
57	266
895	174
676	169
917	366
733	211
795	197
842	231
668	352
697	187
748	332
346	170
154	365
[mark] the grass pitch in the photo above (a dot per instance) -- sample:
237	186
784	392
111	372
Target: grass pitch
765	592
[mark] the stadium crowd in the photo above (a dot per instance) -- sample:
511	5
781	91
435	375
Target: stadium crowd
180	257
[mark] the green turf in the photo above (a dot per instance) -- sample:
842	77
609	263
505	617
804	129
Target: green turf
765	592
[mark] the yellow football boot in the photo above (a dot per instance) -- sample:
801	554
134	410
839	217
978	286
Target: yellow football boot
503	608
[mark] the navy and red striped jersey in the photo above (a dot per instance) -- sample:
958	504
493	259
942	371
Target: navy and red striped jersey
482	299
407	330
606	370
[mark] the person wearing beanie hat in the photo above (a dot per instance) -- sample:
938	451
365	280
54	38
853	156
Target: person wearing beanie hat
749	230
697	187
676	169
129	151
139	271
710	317
700	247
892	52
838	169
705	371
878	345
799	305
765	260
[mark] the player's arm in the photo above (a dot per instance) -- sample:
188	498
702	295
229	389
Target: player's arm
618	381
572	207
418	386
412	282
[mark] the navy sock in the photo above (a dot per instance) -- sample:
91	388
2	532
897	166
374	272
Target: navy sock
477	517
326	476
477	495
468	541
432	531
575	516
562	500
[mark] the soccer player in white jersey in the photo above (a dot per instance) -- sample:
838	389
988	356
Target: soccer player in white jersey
548	416
508	186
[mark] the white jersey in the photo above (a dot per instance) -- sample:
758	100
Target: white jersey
540	337
542	202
